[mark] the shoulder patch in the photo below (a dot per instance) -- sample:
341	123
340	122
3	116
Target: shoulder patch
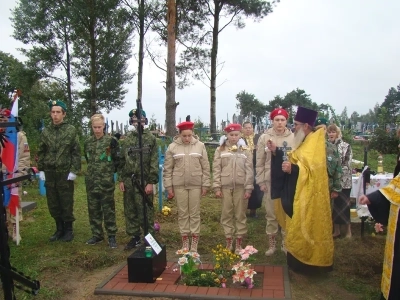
26	147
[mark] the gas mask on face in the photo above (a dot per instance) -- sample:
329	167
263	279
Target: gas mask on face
133	118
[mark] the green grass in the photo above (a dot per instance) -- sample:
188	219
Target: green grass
389	160
61	267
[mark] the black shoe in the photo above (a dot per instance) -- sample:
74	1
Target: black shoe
68	232
112	243
59	233
56	236
134	242
94	240
68	236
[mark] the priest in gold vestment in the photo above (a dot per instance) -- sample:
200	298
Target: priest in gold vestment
384	206
305	198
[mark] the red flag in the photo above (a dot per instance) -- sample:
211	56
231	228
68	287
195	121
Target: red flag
10	154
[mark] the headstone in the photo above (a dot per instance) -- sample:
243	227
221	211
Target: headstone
240	119
235	118
27	206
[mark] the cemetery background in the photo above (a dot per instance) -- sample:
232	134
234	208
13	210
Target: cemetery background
72	270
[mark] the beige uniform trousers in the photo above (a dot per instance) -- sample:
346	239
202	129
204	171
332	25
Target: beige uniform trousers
272	222
188	203
233	214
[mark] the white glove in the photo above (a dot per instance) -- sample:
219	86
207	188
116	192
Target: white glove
71	176
222	140
41	176
241	142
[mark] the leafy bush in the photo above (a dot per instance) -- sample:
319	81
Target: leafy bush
201	278
384	142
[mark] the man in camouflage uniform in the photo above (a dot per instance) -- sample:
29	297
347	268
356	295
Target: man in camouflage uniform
333	162
59	160
101	153
130	164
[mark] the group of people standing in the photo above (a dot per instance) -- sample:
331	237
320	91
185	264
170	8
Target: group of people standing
59	160
243	171
303	178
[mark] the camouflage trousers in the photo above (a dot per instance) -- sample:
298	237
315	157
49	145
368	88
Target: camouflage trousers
101	207
60	196
133	210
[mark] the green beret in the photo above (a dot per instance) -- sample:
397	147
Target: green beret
321	121
133	113
57	103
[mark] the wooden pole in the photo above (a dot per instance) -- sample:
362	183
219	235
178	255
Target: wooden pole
170	104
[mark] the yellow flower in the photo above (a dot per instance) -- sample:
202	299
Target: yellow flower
217	266
203	275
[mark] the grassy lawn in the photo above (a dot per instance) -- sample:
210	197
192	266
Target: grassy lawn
62	268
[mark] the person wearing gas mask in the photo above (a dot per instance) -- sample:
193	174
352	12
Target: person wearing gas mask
129	164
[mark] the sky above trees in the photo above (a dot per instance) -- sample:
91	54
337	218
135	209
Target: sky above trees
340	52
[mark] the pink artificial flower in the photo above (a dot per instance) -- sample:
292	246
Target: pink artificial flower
182	251
182	260
245	256
378	227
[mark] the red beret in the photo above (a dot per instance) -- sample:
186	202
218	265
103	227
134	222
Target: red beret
233	127
185	126
277	112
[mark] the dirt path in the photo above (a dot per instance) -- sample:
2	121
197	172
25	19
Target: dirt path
82	285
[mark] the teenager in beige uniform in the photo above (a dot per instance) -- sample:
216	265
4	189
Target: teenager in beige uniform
277	134
187	178
233	177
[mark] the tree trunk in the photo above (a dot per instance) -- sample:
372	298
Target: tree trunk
213	80
141	46
69	83
170	104
92	38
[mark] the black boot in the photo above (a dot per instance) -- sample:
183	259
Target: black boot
68	233
59	232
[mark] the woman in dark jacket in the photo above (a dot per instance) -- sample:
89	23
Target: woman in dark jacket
251	139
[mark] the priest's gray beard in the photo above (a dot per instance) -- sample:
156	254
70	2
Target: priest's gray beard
299	137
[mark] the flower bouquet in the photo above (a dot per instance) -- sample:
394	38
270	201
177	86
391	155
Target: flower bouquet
223	260
247	252
192	275
227	265
243	271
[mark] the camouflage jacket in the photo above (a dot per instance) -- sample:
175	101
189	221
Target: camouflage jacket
333	164
129	158
101	156
59	149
